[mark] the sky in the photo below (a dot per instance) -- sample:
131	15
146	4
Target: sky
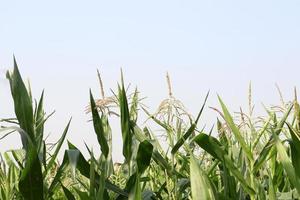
205	45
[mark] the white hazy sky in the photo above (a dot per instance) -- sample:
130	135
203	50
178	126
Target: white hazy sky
216	45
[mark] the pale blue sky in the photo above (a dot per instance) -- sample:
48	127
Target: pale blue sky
216	45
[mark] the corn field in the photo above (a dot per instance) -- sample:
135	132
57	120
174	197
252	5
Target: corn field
251	157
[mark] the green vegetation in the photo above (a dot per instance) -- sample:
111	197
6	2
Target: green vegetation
249	158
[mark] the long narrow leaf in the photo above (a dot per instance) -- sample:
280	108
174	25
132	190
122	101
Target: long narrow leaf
214	148
58	147
125	123
235	130
190	130
98	127
200	185
144	155
287	164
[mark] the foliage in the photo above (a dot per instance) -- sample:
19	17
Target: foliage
246	158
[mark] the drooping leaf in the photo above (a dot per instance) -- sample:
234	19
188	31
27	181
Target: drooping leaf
144	155
212	146
157	156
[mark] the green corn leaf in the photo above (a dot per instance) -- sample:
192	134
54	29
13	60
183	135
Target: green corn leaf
144	155
157	157
82	195
295	149
98	127
104	165
58	147
261	132
230	183
125	123
277	172
200	185
268	149
190	130
81	164
39	118
235	130
136	193
84	168
134	106
166	126
43	156
148	195
287	164
18	156
31	180
272	193
22	101
295	137
67	193
108	136
92	176
212	146
130	187
58	176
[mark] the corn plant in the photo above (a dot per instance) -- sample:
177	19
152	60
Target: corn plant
35	168
239	158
